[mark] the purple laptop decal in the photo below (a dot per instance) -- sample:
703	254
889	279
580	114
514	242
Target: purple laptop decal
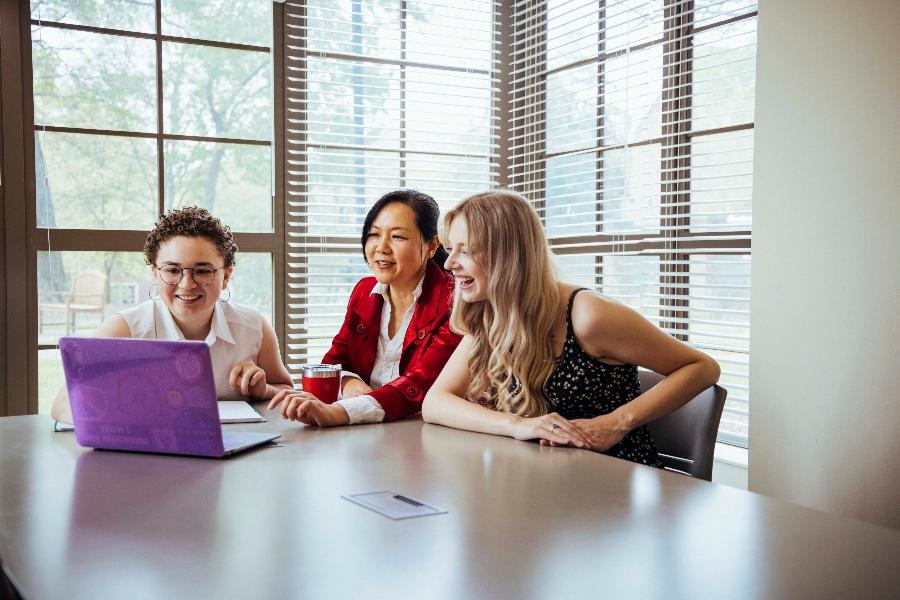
145	396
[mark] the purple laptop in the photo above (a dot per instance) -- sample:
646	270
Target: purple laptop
147	396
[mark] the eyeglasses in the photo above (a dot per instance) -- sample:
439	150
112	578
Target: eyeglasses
201	274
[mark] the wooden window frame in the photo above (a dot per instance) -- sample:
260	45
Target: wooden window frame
23	239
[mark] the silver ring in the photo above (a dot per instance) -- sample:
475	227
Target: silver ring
554	427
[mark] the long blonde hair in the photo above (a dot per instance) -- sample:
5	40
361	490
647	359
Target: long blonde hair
513	355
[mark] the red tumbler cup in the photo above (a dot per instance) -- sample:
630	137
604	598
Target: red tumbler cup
322	381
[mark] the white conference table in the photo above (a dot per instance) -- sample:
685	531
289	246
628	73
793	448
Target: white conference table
523	521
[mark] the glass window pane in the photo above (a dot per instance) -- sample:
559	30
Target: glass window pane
633	100
571	195
722	181
232	181
459	36
100	284
724	75
720	301
126	15
631	189
735	378
353	103
572	32
577	269
323	303
95	284
343	184
252	283
633	280
448	179
360	28
92	80
720	325
572	109
95	181
710	11
632	22
246	22
448	112
217	92
51	378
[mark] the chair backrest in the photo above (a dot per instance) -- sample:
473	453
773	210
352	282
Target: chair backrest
686	437
89	287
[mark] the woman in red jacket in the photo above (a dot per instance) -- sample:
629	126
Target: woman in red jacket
396	335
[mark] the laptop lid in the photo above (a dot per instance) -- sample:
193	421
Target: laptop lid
142	395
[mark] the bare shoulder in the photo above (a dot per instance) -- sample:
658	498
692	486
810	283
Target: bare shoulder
597	319
114	326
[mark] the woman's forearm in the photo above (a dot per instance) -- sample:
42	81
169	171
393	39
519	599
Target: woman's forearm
669	394
445	408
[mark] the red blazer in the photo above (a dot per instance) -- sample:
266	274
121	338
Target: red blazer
426	348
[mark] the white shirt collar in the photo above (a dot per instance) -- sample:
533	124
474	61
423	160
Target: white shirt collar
381	288
218	328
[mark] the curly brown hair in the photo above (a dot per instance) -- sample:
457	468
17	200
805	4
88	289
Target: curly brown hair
191	221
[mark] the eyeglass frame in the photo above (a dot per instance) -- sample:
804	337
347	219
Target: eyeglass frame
214	270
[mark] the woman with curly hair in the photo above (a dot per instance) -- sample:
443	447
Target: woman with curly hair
541	360
192	257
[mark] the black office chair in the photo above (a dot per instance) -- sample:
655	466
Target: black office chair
686	438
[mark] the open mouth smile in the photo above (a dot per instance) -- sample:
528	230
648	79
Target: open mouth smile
465	283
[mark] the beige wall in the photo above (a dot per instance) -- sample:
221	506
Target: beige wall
825	325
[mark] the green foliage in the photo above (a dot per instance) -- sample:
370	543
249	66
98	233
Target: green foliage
99	81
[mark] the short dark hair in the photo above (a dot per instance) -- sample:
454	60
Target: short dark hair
191	221
425	209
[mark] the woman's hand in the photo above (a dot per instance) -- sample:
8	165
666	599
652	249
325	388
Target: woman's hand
309	410
551	429
249	378
355	386
603	431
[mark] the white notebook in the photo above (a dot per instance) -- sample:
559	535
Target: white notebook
238	411
230	411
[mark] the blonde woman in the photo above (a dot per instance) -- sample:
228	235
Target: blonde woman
543	359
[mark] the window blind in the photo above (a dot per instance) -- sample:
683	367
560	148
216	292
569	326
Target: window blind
631	130
379	95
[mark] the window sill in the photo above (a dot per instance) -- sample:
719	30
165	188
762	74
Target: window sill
731	455
730	466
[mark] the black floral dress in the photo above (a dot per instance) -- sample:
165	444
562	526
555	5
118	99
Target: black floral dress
582	387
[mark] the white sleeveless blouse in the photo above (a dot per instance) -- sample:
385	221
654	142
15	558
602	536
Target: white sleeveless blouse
235	334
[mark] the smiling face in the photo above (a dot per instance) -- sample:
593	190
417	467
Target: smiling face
394	248
190	303
471	277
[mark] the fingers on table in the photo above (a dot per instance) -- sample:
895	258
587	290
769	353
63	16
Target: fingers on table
561	431
290	405
279	398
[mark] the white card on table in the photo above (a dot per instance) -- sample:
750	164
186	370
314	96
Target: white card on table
393	505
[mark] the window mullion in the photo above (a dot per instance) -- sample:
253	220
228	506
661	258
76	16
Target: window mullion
601	109
296	186
676	163
160	158
403	67
529	166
